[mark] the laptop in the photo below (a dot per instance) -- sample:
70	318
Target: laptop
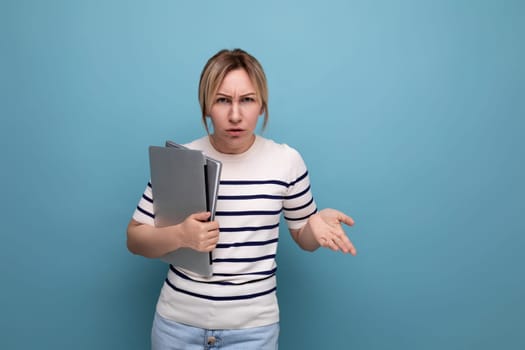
213	169
180	188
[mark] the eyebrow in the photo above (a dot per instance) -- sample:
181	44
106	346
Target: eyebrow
243	95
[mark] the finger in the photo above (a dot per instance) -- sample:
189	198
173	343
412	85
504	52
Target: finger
208	243
329	243
346	219
337	231
214	235
342	241
209	247
210	236
325	242
212	243
347	246
202	216
333	245
212	225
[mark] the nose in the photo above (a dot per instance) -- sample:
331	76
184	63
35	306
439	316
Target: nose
235	113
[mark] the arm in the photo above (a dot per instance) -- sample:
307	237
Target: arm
153	242
324	229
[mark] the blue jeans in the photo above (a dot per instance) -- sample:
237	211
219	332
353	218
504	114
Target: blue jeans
171	335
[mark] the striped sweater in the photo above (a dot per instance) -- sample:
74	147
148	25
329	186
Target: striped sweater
255	188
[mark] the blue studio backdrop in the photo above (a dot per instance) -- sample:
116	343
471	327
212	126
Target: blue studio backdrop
409	115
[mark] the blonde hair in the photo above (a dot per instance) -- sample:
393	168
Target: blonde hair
218	66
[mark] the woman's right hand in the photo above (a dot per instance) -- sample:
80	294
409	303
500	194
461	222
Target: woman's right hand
194	232
199	234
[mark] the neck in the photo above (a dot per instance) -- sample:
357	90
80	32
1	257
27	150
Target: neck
231	149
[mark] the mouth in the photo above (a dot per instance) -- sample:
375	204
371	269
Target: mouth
234	131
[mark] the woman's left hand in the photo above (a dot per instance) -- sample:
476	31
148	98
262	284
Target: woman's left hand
327	230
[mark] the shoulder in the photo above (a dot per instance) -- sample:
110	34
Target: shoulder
280	150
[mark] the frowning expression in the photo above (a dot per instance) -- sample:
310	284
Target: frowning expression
234	113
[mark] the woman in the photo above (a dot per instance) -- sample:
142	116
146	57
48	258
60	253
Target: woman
237	307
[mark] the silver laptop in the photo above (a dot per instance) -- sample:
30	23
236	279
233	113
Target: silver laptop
178	180
213	169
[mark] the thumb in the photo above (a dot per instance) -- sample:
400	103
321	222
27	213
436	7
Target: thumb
342	217
202	216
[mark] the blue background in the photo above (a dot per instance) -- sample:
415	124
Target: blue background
409	115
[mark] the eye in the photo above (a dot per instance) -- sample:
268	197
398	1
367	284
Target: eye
222	100
247	99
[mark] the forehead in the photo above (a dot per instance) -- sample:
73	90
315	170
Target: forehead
237	81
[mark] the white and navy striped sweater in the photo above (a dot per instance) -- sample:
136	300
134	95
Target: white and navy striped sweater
255	188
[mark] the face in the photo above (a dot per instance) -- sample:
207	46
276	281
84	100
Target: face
234	113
